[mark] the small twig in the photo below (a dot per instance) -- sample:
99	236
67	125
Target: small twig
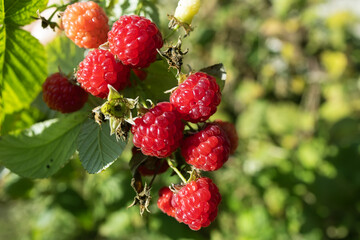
170	34
176	170
191	128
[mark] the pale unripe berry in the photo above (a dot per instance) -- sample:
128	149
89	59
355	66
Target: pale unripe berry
186	10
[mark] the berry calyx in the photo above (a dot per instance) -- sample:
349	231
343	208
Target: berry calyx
164	201
231	132
196	204
159	131
86	24
61	95
207	149
197	98
99	69
134	40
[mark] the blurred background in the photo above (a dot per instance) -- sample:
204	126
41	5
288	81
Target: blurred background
293	92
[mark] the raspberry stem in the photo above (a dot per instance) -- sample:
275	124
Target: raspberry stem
139	8
189	126
170	34
176	170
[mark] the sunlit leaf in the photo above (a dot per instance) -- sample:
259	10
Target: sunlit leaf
43	149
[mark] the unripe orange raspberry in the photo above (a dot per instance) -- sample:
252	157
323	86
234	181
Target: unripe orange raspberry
86	24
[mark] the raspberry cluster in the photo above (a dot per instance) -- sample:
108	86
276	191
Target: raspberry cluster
159	132
133	44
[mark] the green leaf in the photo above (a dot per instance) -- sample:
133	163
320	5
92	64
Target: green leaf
149	10
2	55
159	79
44	148
123	7
97	149
66	60
19	188
20	120
21	12
24	69
22	57
144	8
2	12
217	71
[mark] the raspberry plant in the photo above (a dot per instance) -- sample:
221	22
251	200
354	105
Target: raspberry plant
141	97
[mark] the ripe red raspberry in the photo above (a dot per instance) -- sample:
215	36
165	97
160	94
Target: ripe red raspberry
152	165
134	40
61	95
164	201
197	98
231	132
196	204
207	149
159	132
99	69
85	23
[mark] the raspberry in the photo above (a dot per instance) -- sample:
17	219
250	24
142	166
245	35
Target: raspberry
85	23
231	132
99	69
61	95
197	98
134	40
152	165
207	149
159	132
196	204
164	201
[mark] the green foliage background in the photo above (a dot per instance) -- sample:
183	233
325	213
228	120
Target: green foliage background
293	91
